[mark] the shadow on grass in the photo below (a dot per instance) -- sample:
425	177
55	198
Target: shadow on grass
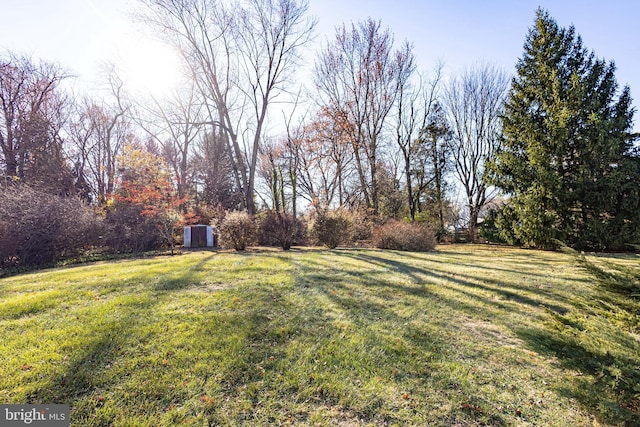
418	275
616	278
462	260
404	354
311	346
94	367
185	278
603	383
281	358
595	340
275	354
112	347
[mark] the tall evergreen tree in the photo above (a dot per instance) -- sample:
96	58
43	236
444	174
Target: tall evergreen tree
567	158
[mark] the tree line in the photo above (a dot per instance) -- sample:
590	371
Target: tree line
542	157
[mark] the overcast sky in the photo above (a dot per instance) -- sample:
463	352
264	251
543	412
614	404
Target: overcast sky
82	34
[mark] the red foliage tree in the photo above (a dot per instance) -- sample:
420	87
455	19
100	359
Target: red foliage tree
146	184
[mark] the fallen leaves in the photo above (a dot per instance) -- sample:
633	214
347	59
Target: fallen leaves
207	400
472	408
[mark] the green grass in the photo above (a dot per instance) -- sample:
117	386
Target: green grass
467	335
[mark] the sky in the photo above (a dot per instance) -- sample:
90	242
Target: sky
82	35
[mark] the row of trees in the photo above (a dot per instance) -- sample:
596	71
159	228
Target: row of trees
211	134
374	134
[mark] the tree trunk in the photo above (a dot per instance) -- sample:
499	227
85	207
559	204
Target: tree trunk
11	163
473	223
374	185
407	171
361	175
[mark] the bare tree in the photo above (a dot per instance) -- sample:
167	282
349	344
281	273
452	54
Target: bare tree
32	113
324	159
291	150
241	56
270	169
357	76
473	103
414	106
98	133
292	141
214	177
176	124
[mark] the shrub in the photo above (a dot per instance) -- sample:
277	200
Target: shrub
129	231
404	236
361	223
444	236
280	229
209	214
39	228
331	228
237	231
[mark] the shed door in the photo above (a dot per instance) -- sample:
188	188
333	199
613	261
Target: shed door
198	237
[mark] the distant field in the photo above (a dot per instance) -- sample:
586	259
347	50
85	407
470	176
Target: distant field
464	336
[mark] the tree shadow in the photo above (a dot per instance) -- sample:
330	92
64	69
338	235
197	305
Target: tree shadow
102	358
596	340
93	367
398	350
603	382
183	279
502	288
462	260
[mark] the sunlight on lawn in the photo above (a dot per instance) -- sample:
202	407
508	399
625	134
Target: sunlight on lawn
466	335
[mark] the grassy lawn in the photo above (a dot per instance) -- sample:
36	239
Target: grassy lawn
467	335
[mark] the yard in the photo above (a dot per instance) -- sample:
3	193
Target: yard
466	335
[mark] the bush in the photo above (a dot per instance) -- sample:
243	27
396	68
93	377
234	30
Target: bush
331	229
361	223
209	214
129	231
237	231
403	236
444	236
280	229
38	228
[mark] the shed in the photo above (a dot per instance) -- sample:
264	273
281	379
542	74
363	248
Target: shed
199	236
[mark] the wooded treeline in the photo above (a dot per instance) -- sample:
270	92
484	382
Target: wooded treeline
544	157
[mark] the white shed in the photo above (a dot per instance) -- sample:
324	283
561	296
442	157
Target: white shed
199	236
